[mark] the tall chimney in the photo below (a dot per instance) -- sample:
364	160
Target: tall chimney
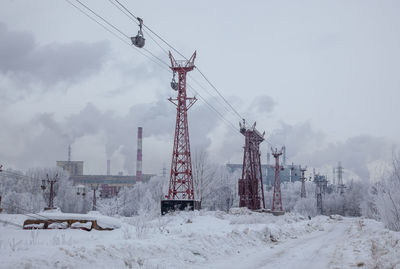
284	155
268	157
108	167
69	153
139	155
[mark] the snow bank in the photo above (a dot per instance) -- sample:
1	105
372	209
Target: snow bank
196	239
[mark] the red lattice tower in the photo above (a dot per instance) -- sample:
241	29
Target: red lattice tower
277	198
251	189
181	178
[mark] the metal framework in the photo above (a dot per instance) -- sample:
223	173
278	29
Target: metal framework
319	190
340	185
277	198
139	176
303	183
181	177
251	189
50	181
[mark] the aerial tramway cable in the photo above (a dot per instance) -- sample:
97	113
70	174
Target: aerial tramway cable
159	61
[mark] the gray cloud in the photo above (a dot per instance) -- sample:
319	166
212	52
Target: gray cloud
263	104
298	138
23	58
119	131
309	147
355	153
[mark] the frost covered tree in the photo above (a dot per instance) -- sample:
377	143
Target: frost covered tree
386	197
221	193
142	198
204	172
22	192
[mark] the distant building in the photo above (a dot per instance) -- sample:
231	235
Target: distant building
75	168
289	173
109	185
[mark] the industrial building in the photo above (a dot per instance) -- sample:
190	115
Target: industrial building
288	173
108	184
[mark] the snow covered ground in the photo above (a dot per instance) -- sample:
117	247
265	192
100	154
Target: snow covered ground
204	239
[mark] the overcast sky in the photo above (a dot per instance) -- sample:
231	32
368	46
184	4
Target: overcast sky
321	77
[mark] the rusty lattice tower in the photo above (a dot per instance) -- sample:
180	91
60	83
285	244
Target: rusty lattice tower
251	189
181	189
277	197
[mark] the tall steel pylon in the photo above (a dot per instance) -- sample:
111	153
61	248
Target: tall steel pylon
340	185
251	189
303	182
319	190
181	176
277	198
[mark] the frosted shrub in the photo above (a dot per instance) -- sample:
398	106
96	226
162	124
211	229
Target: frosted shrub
127	232
34	236
14	245
306	206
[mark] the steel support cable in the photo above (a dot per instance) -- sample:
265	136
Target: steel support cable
11	223
162	39
212	85
9	173
104	20
37	216
216	111
173	48
134	18
135	21
160	60
116	35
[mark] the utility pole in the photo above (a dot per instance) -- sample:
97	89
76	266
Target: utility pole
277	198
291	172
303	182
52	193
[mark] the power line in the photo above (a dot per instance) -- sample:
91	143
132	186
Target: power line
218	113
148	28
100	17
154	56
173	48
134	19
212	85
117	36
11	223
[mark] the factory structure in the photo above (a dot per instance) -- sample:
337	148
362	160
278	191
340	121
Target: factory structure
108	184
288	172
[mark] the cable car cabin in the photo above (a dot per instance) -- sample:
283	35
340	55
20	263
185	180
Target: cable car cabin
174	85
138	41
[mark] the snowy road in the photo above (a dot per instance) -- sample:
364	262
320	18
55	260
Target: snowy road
206	240
332	248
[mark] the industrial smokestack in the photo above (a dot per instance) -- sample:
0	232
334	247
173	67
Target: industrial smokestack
139	155
108	167
69	153
284	155
268	157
